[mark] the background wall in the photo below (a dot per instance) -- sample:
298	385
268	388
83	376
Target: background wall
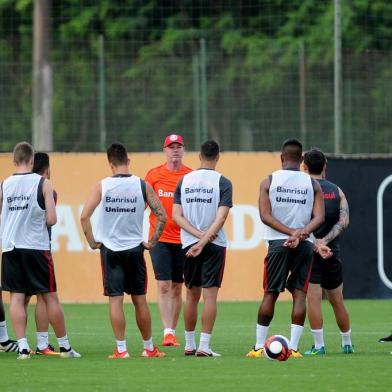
78	268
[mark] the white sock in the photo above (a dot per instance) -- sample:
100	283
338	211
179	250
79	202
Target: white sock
148	344
261	335
169	330
296	332
42	340
190	342
346	338
121	346
63	342
205	341
23	345
3	331
318	336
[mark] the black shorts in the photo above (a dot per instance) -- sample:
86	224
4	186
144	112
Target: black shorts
286	267
28	271
328	273
168	261
123	271
205	270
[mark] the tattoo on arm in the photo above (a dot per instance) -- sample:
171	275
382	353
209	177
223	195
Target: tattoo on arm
157	209
343	222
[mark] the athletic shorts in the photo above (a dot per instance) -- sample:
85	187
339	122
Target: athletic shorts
123	271
205	270
286	267
28	271
328	273
168	261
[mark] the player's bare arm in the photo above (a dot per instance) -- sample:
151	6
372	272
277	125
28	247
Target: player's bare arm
181	221
50	206
158	210
343	222
85	218
211	233
265	210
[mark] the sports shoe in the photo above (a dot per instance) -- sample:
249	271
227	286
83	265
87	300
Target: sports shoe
189	352
117	355
70	353
347	349
24	354
48	351
295	354
259	353
316	351
170	340
9	346
386	339
205	353
153	353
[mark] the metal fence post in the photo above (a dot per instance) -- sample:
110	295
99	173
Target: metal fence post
101	94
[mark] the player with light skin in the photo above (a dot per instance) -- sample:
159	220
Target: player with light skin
291	206
167	256
42	167
327	274
121	201
202	202
28	208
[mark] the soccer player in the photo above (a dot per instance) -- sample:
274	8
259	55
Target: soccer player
120	201
167	255
327	274
291	206
27	267
202	201
6	344
42	167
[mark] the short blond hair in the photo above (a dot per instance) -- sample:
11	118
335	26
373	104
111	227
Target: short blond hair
23	153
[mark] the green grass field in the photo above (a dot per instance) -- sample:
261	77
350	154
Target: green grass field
90	334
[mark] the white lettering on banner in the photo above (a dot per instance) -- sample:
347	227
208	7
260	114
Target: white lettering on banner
68	226
238	215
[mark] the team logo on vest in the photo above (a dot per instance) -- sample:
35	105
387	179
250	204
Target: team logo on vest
11	199
293	191
109	199
195	198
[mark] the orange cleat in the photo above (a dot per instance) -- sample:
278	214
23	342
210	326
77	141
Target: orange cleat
48	351
170	340
117	355
153	353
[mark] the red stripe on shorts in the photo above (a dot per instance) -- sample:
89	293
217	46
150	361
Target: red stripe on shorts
103	274
306	285
146	281
51	271
265	277
222	269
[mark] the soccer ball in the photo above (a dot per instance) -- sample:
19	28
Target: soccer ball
276	348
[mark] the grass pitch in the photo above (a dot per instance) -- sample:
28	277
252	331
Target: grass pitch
90	334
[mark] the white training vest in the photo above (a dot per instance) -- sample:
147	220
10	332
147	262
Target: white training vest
119	220
23	221
200	197
291	195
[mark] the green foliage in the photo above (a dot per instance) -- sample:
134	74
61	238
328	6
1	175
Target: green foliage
252	68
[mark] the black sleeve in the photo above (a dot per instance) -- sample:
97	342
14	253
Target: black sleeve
177	193
144	191
226	192
40	194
